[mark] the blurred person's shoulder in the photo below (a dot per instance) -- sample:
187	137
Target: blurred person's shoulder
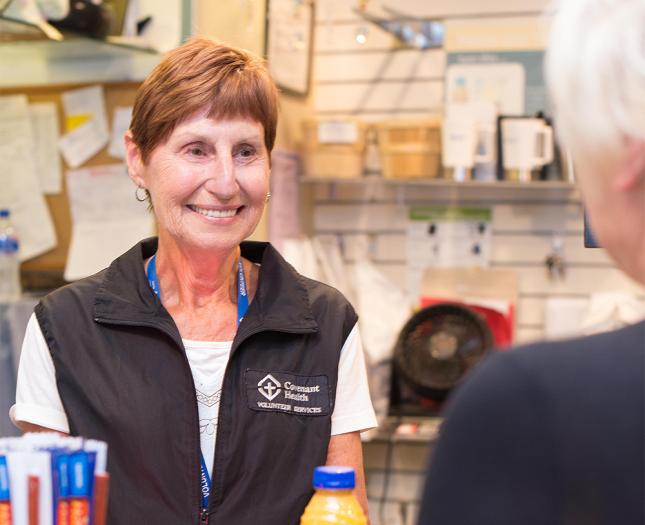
607	358
589	389
562	419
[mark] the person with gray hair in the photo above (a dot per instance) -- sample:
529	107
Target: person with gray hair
553	433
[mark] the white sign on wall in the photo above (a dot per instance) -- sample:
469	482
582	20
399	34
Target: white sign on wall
446	237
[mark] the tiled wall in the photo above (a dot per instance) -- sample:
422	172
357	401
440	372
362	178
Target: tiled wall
395	478
379	80
524	224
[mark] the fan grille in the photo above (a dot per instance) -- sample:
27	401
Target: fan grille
438	345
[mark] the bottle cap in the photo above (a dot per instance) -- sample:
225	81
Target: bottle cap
334	478
4	213
9	244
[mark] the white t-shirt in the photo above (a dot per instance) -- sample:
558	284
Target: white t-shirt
38	401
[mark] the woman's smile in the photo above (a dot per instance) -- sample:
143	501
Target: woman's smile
215	213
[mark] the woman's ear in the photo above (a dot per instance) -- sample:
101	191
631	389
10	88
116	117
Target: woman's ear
632	170
134	160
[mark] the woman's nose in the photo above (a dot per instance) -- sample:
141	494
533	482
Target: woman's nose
222	181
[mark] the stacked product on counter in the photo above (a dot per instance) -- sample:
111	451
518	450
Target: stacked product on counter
50	479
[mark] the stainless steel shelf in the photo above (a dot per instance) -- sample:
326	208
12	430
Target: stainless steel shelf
420	189
444	183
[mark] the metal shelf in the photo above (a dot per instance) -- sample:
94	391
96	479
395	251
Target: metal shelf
29	58
444	183
20	40
376	187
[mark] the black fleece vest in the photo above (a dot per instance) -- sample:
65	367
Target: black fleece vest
123	377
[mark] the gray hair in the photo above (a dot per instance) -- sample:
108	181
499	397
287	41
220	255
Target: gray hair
595	69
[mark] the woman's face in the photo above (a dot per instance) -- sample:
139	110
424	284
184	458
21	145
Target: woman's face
208	183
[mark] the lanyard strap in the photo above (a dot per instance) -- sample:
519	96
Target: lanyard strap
205	481
242	292
242	307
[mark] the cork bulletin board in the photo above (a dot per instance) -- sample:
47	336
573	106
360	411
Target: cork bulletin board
46	270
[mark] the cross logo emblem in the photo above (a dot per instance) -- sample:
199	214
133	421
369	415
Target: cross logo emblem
269	387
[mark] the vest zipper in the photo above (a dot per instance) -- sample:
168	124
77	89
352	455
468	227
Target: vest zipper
203	513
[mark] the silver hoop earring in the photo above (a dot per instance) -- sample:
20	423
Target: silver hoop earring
138	196
268	197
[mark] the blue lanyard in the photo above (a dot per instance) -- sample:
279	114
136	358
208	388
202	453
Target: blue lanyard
242	293
242	307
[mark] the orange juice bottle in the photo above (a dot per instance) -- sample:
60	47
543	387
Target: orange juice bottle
334	502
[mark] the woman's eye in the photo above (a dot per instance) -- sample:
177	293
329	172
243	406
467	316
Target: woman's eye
196	151
246	151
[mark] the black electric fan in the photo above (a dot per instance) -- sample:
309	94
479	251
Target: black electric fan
435	348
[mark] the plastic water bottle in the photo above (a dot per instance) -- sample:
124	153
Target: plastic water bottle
9	262
334	502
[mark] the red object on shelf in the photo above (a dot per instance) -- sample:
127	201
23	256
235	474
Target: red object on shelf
33	495
499	322
101	491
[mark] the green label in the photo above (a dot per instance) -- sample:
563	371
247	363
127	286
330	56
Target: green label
450	214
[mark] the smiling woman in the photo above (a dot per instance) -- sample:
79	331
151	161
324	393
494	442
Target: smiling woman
172	348
207	183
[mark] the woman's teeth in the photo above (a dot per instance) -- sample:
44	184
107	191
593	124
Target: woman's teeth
217	214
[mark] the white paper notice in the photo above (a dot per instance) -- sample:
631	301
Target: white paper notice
107	219
120	124
446	237
81	144
21	192
86	125
44	125
500	83
337	132
85	104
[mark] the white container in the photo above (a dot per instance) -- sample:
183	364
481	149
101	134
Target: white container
527	145
468	139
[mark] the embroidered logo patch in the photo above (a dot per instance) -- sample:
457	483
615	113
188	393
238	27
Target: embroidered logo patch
271	391
269	387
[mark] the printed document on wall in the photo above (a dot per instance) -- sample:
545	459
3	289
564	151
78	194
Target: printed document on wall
86	125
44	124
21	190
83	105
446	237
107	220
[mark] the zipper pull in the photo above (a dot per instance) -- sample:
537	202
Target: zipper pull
203	517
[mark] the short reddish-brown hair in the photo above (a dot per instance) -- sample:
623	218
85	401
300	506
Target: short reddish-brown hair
203	75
